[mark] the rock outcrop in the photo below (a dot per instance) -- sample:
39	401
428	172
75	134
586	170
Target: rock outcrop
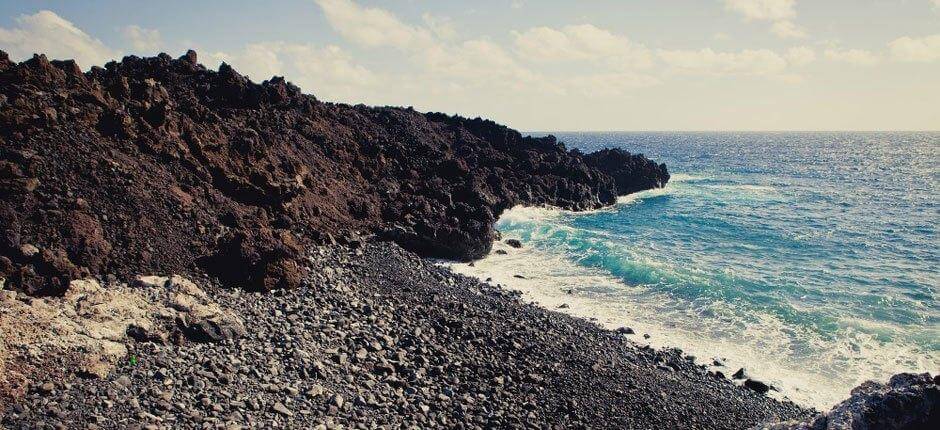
158	165
86	331
906	402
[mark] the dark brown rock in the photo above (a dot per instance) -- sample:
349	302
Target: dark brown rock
179	168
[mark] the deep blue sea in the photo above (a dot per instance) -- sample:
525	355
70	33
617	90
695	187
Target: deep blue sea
811	259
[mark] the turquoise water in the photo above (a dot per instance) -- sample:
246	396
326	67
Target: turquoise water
811	258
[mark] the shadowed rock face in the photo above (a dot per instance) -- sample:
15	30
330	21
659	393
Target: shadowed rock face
158	165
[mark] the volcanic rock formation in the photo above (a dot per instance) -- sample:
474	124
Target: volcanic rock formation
159	165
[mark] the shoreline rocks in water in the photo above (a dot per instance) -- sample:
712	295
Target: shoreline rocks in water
907	401
382	337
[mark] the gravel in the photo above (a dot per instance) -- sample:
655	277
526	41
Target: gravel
379	338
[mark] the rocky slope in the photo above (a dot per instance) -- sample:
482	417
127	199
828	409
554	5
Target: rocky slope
158	165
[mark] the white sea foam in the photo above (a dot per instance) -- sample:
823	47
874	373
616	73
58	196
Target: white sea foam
683	177
635	197
806	367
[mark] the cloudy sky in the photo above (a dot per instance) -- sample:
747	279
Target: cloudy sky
544	65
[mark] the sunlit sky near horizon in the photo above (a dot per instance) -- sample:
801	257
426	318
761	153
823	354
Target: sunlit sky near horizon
544	65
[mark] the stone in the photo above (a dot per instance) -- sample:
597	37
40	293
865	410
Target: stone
757	386
29	251
314	391
515	243
338	401
281	409
123	381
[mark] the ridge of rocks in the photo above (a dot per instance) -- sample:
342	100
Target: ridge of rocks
159	165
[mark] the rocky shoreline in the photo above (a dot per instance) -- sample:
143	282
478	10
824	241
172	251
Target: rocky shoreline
184	248
100	169
379	337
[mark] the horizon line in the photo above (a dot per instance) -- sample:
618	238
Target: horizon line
729	131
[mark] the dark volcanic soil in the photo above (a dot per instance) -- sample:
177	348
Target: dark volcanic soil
380	337
158	165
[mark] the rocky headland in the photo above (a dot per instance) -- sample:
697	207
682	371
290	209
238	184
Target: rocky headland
160	165
183	248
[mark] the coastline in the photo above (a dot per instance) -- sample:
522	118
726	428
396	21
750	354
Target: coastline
579	301
306	231
557	284
401	341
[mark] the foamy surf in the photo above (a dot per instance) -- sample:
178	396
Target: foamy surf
804	365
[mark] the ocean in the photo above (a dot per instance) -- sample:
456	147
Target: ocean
810	259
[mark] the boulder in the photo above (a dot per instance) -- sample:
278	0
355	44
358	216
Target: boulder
907	402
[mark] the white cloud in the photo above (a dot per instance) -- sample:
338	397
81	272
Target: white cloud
780	12
446	65
442	27
48	33
328	72
788	30
800	55
373	27
607	84
143	40
859	57
936	4
924	49
580	42
760	62
763	10
480	64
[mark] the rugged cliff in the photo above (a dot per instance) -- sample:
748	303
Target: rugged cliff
154	165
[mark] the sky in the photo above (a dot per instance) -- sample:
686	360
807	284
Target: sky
543	65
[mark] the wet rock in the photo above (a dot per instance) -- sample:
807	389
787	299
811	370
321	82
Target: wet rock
739	374
907	401
757	386
515	243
